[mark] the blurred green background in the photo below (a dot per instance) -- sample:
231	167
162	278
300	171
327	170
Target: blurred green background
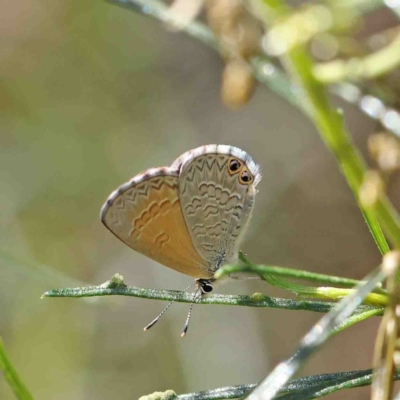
92	94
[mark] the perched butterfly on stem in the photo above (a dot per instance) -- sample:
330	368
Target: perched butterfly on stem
191	216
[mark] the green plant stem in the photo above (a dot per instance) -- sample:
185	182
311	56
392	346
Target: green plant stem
328	293
307	387
19	389
356	318
378	297
371	66
288	273
111	288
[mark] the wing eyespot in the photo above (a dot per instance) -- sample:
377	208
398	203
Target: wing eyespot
245	177
234	166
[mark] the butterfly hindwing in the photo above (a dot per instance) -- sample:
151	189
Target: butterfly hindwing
215	204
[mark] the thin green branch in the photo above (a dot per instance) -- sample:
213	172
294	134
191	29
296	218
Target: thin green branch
267	273
387	214
350	384
228	392
286	273
356	318
371	66
307	387
116	287
11	375
324	390
324	292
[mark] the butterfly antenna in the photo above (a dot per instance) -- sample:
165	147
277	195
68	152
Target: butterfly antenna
185	328
155	320
197	298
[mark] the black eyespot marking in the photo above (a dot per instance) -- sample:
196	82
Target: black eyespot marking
246	177
234	165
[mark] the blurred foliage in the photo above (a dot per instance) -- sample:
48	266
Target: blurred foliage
91	95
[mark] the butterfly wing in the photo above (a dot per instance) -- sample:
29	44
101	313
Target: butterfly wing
216	202
145	213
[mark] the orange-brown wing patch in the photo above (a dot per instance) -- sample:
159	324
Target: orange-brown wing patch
147	216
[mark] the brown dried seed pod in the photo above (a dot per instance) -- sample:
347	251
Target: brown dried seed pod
235	26
237	84
222	14
240	34
249	36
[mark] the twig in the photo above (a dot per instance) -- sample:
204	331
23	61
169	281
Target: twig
307	387
117	287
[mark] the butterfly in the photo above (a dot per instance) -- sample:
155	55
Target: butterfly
191	216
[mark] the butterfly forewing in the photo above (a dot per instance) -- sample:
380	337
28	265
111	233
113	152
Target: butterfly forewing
146	214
